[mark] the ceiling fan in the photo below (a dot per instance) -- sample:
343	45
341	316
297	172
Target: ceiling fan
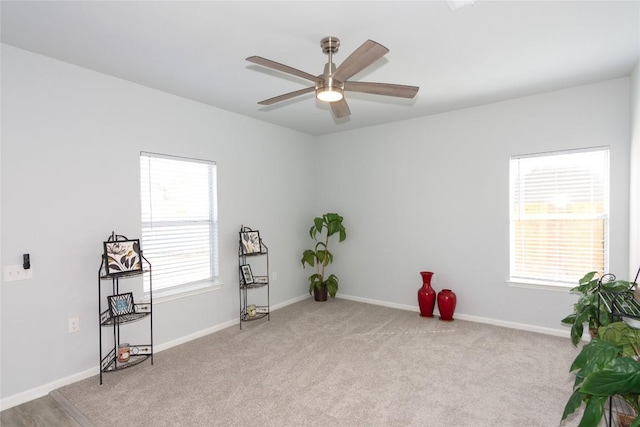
331	84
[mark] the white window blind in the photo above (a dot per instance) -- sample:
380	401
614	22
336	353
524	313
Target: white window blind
559	215
179	221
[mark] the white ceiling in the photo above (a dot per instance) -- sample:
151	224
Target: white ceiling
491	51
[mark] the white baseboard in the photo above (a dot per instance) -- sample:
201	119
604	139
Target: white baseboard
43	390
216	328
198	334
478	319
289	302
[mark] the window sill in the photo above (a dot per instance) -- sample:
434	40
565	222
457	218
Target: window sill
540	285
164	295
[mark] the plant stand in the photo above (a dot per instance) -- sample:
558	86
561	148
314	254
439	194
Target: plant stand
621	306
253	256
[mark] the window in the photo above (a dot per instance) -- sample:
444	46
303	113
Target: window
559	216
179	222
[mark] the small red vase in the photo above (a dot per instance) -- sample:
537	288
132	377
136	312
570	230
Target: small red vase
426	295
446	304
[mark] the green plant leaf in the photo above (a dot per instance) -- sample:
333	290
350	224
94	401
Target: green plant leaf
324	257
587	277
605	316
576	333
316	228
587	284
569	320
623	335
315	281
575	401
620	376
308	257
332	285
333	228
594	356
332	218
611	333
593	411
616	286
585	289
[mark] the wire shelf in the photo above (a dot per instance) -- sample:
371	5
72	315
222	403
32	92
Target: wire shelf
621	304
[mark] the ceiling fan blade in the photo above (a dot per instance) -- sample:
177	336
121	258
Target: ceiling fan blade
287	96
368	53
401	91
340	108
281	67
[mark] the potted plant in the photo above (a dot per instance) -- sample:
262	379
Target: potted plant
608	366
320	257
585	310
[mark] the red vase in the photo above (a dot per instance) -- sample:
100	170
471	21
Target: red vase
426	295
446	304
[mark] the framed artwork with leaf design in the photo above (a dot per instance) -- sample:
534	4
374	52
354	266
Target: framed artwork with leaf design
122	256
250	241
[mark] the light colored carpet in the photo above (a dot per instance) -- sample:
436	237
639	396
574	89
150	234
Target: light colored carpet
342	363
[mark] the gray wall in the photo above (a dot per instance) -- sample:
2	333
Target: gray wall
71	140
432	194
429	193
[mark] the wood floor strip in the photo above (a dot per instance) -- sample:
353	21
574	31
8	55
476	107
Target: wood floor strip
78	416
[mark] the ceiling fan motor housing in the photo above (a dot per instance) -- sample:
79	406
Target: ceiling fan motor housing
330	44
326	83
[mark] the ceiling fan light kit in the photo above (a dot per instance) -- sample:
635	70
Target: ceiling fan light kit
331	84
329	93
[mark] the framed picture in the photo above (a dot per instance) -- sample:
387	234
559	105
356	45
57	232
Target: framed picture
122	256
120	304
246	274
250	241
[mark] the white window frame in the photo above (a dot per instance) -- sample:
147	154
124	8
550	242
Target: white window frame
557	282
178	288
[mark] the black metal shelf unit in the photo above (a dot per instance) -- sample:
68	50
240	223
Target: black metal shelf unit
621	306
253	257
108	287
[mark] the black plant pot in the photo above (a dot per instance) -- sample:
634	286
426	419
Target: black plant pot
320	294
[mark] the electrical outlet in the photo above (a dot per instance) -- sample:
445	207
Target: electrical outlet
74	324
16	272
274	276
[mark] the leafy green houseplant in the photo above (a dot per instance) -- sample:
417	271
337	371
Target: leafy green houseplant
585	310
319	283
607	366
